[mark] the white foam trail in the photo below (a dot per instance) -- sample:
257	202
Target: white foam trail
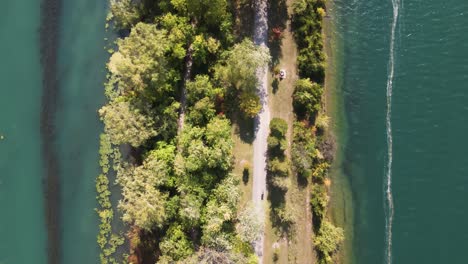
388	183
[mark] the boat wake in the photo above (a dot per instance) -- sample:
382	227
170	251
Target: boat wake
389	206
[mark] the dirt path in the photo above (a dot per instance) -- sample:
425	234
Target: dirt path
261	122
183	96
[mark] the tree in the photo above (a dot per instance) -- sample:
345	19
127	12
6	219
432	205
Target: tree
307	24
278	127
239	71
190	208
205	12
328	239
202	112
140	64
277	143
179	34
306	98
125	124
303	152
125	12
204	46
201	88
220	209
319	201
208	255
207	148
250	224
276	167
175	244
143	203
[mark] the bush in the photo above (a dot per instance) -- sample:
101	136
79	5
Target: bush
307	24
328	239
307	98
303	149
278	127
277	139
319	201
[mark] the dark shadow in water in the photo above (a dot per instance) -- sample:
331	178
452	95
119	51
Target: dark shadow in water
50	13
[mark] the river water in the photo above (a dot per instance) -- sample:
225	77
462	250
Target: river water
80	75
404	130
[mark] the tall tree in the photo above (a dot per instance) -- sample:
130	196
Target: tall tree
126	124
143	203
239	71
140	64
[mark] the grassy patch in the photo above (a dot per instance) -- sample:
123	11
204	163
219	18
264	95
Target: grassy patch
296	245
242	131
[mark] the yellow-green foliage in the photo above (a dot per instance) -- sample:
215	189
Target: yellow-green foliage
327	240
239	71
307	160
107	241
307	24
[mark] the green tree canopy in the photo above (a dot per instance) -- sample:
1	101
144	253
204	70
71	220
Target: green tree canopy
140	64
126	124
250	225
307	97
179	34
208	12
303	152
200	88
328	239
175	244
220	208
125	13
143	203
207	148
239	71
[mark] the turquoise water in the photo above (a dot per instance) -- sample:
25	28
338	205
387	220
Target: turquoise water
81	73
22	233
428	121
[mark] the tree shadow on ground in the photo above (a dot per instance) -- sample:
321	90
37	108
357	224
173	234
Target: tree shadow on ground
277	18
245	126
244	14
277	198
245	176
302	180
275	85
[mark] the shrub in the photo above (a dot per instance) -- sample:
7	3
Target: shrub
306	98
328	239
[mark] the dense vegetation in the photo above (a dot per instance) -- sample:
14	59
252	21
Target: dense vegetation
179	195
311	153
307	24
176	77
278	169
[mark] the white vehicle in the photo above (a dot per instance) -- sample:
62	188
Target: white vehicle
282	74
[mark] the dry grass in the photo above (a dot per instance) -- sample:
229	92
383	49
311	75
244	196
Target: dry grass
243	154
296	246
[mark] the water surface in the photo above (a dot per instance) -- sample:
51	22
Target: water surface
428	121
22	222
80	75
